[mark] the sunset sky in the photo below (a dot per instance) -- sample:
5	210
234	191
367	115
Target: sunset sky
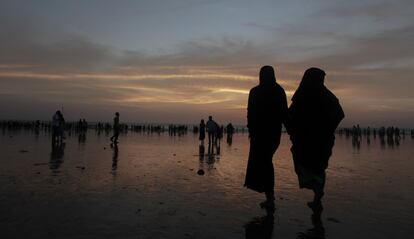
182	60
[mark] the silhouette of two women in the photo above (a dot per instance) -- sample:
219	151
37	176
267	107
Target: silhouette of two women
311	121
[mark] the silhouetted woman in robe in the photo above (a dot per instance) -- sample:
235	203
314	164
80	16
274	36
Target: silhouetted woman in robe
202	131
314	115
266	111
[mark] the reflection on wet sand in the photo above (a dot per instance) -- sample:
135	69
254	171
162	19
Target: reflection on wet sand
82	138
317	231
263	227
56	156
260	227
385	141
201	151
229	139
114	157
157	188
212	157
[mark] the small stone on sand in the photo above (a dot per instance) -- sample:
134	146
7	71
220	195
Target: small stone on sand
200	172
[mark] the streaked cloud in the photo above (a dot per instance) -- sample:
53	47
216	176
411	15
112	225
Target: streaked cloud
92	69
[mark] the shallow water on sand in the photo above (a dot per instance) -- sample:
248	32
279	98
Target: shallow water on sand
148	187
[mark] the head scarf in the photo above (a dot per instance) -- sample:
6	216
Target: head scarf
267	76
312	84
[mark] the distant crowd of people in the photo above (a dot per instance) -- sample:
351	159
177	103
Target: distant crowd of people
82	126
390	136
390	132
214	132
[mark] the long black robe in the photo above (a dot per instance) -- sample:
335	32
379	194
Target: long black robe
314	115
266	111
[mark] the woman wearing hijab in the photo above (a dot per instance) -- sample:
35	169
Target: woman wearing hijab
314	115
266	111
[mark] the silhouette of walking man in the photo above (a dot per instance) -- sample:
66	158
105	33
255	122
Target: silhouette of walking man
266	111
314	115
116	129
212	128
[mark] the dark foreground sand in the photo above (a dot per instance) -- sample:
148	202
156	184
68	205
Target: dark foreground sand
149	188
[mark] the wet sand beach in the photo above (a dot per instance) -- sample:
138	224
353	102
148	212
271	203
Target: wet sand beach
148	187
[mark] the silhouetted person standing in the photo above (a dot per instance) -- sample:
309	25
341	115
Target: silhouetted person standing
202	131
212	128
314	115
266	111
230	132
116	129
58	127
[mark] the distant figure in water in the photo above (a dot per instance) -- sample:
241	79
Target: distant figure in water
230	132
202	131
266	111
212	128
116	129
314	115
58	127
